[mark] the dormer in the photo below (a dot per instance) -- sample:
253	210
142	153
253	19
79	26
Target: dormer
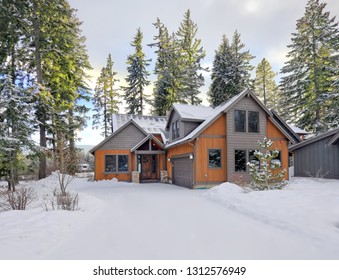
184	118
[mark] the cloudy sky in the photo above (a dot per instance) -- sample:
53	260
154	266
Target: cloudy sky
265	27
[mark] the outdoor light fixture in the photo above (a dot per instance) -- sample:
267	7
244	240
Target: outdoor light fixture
191	156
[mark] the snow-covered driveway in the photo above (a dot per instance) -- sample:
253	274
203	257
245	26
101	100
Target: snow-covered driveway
158	221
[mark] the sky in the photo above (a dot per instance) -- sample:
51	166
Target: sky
110	25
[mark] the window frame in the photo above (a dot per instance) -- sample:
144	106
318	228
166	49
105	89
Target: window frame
245	122
175	129
117	169
248	122
208	154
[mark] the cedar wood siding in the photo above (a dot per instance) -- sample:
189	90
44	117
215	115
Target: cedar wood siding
280	142
242	140
119	144
213	137
100	165
317	158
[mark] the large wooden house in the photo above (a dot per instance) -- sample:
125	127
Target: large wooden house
198	146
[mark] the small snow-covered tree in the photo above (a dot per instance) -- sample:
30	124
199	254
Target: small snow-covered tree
267	174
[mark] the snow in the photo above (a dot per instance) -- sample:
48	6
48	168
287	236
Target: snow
121	220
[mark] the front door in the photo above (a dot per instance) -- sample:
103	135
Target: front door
148	167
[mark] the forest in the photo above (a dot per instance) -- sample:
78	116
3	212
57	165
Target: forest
44	78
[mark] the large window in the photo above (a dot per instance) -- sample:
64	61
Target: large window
240	160
175	130
214	158
240	121
253	121
116	163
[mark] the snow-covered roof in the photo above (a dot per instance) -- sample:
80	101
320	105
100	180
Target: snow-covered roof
193	112
298	130
150	124
334	134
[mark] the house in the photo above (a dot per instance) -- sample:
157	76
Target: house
317	156
198	146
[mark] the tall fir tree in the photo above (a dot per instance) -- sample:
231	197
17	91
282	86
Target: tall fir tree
231	70
41	47
309	74
105	99
137	79
191	55
265	86
168	82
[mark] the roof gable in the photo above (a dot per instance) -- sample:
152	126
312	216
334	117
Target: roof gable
117	132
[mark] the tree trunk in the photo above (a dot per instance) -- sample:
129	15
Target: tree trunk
40	112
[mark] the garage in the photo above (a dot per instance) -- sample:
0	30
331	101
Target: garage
182	172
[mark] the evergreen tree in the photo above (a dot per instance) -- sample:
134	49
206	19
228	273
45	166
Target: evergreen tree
231	70
41	47
168	82
265	86
135	95
307	84
105	99
191	54
16	127
265	171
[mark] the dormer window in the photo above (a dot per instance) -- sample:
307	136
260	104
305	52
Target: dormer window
175	130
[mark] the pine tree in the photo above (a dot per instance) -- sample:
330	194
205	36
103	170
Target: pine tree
169	80
191	54
135	95
231	70
307	84
265	172
265	86
105	99
16	127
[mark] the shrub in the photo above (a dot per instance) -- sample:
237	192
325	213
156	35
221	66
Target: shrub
61	201
18	199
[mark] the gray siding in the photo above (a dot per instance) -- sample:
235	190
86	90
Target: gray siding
316	159
188	127
125	139
174	118
242	140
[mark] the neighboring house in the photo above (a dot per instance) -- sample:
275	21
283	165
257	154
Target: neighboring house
198	146
317	156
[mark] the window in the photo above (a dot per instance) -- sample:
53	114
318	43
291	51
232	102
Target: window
110	163
240	160
240	121
252	158
175	130
116	163
253	122
214	158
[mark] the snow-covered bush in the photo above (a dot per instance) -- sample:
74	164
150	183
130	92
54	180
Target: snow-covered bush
267	174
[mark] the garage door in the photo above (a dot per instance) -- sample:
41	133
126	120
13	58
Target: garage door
183	172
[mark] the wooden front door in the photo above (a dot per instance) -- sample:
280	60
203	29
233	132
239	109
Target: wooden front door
148	167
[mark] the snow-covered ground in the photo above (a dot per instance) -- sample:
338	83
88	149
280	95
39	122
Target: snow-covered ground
159	221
